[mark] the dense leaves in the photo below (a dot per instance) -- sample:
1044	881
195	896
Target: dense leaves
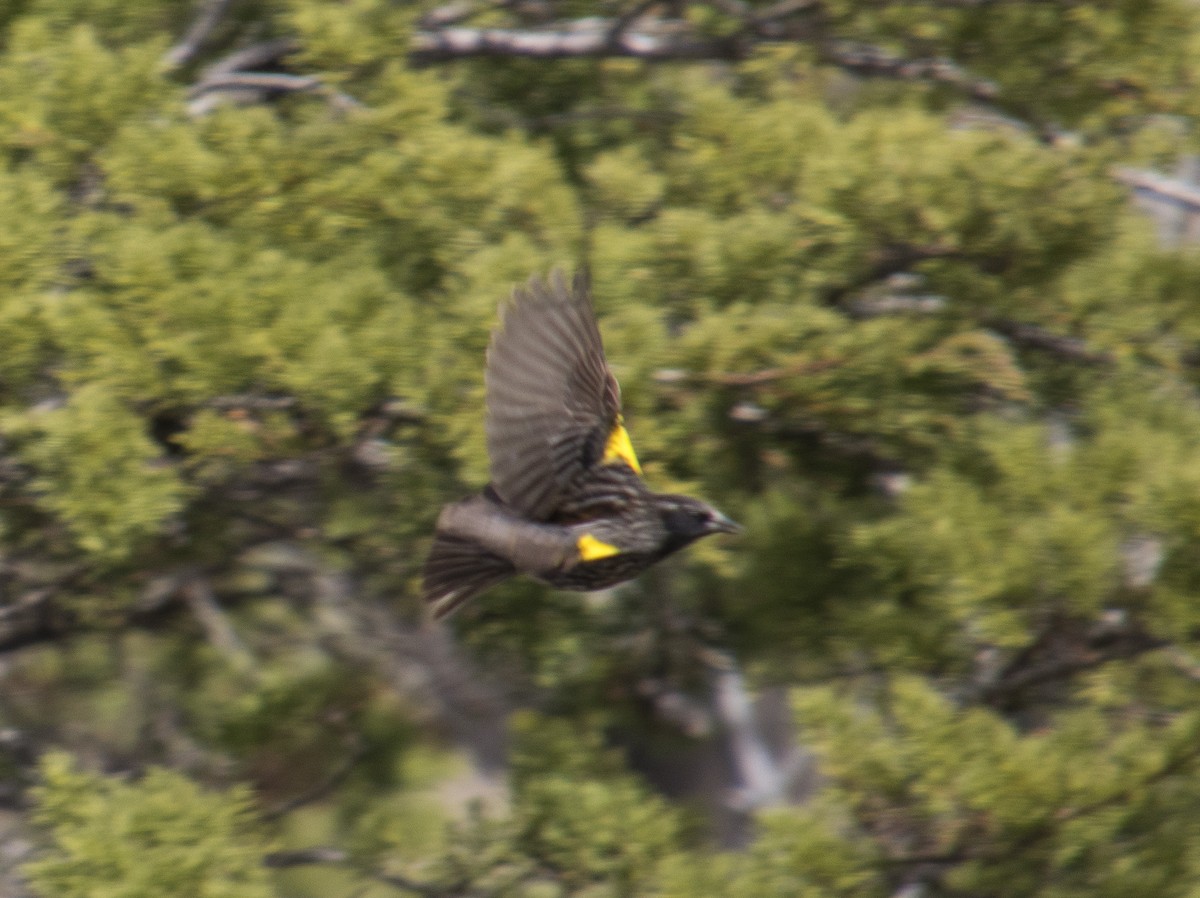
869	283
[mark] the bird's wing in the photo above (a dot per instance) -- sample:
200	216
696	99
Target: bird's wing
553	406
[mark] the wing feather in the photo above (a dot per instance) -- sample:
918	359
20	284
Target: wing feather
552	401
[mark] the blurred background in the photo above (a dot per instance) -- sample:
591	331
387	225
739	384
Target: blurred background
908	287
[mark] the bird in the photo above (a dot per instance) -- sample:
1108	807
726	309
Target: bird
566	503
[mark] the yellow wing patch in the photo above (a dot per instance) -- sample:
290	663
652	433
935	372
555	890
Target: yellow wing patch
592	549
619	447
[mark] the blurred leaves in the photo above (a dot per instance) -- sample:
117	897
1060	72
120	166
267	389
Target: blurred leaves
919	343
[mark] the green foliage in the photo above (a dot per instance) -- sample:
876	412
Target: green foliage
576	811
160	835
98	472
1015	810
921	346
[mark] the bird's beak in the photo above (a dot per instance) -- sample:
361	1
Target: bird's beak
721	524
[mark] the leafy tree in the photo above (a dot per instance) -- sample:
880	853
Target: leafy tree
160	836
872	282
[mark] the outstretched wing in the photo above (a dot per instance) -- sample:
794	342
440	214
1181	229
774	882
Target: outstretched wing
553	406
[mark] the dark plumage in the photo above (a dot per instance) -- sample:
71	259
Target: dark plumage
566	504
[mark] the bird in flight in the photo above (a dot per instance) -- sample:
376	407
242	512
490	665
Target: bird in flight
566	504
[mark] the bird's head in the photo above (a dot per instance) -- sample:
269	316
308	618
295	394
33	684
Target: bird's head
688	519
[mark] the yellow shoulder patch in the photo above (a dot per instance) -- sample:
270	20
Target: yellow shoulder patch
592	549
619	447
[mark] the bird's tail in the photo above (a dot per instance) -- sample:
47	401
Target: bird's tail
457	570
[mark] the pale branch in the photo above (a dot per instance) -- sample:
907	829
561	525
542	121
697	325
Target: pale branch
206	21
1159	186
669	40
783	9
881	305
632	34
777	22
197	593
655	41
254	56
228	78
869	60
624	22
275	82
450	14
1183	663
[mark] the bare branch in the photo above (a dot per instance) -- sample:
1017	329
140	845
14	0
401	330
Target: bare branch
198	595
254	86
252	57
866	59
878	306
258	81
785	8
211	12
450	14
655	41
672	40
1173	189
624	21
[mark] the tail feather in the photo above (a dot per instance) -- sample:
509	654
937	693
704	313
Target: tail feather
458	570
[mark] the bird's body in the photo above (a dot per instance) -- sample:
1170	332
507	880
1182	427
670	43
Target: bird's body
566	504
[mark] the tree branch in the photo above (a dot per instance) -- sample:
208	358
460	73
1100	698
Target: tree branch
1058	652
674	40
866	59
656	41
197	593
1033	336
624	21
254	56
206	21
263	83
229	77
